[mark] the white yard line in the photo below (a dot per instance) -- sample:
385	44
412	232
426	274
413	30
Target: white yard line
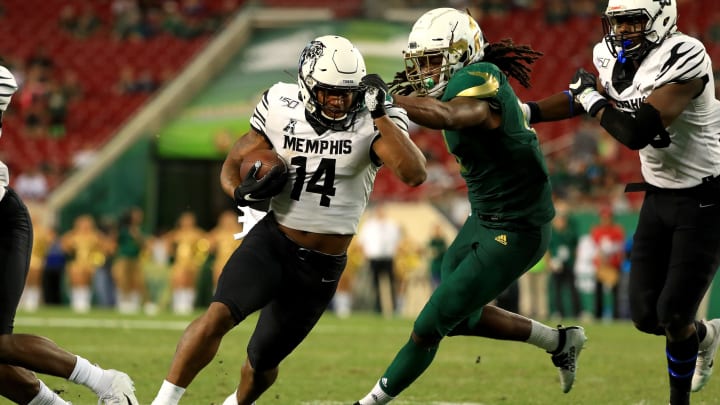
101	323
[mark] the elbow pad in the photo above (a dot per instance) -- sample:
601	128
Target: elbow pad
639	131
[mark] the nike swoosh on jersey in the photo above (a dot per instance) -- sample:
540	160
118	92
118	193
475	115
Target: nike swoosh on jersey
576	85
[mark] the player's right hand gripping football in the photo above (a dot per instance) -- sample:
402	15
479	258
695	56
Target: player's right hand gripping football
252	190
583	87
376	93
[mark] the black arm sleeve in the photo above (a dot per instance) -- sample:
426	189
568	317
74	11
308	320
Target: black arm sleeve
634	132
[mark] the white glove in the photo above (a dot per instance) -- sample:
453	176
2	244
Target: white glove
248	219
8	87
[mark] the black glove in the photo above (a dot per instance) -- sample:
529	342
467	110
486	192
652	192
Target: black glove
400	84
253	191
583	87
376	93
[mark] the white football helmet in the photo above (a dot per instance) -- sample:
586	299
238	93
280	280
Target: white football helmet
448	32
334	64
658	18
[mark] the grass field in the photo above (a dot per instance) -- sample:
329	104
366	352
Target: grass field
341	360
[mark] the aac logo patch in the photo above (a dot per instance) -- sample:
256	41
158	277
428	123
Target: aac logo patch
501	239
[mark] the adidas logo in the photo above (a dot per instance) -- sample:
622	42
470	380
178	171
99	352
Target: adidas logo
501	239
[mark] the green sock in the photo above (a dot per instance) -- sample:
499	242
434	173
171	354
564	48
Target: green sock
410	362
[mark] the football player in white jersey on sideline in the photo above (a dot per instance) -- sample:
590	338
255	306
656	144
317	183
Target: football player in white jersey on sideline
654	93
334	128
21	354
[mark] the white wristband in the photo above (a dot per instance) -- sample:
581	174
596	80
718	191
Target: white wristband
590	98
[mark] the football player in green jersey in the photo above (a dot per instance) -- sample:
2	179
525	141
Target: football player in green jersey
457	82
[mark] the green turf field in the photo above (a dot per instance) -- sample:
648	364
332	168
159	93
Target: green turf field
341	360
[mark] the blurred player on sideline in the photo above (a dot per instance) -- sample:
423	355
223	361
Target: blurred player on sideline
21	354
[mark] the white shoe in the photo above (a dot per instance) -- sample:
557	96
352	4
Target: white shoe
121	391
706	358
231	399
572	341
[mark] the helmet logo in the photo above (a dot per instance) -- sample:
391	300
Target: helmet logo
313	51
664	3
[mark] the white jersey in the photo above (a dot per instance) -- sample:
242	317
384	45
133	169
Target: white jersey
694	151
331	175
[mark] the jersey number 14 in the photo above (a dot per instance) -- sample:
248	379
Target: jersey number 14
326	188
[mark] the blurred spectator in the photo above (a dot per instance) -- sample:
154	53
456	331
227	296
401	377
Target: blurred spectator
413	281
713	29
223	242
84	155
71	86
103	284
31	184
57	109
342	302
36	117
533	291
145	82
87	23
585	273
127	271
130	25
193	9
222	14
496	8
130	83
585	140
436	246
42	240
562	251
54	273
68	19
179	24
624	282
88	248
189	249
609	238
557	12
380	238
41	61
583	8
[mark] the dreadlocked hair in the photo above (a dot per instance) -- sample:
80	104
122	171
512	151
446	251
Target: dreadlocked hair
512	59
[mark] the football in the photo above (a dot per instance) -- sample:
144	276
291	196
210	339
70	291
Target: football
269	159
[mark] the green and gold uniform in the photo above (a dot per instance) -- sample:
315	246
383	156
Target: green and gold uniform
508	229
507	232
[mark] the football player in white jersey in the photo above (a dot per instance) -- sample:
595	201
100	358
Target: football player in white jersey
654	93
335	127
23	354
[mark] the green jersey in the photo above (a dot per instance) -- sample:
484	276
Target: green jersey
504	169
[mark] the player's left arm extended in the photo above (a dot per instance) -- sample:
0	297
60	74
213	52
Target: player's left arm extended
457	113
658	111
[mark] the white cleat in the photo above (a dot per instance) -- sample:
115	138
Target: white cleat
121	391
706	358
572	341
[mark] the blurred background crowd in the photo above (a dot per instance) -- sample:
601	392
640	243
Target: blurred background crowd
87	68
